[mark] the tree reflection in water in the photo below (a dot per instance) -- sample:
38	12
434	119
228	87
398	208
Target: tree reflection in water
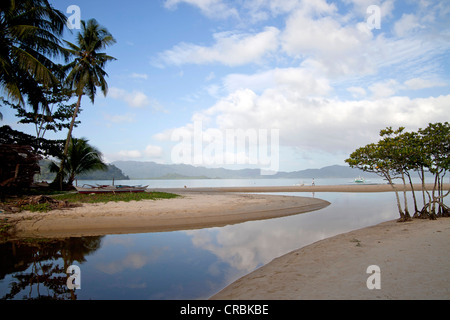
38	266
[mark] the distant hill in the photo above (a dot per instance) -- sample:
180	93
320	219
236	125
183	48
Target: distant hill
152	170
112	172
335	171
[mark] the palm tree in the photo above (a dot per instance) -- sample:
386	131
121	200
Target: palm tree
30	32
81	158
86	71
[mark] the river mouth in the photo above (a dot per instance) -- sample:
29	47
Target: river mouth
183	264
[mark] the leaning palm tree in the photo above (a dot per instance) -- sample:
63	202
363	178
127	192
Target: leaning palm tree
30	32
81	158
86	72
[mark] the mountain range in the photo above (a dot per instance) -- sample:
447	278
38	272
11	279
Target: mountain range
153	170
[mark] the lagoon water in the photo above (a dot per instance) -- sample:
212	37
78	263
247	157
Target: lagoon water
192	264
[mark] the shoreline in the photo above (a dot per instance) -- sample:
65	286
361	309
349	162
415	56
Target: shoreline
190	211
197	208
413	258
357	188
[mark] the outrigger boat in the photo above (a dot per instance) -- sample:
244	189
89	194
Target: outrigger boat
87	189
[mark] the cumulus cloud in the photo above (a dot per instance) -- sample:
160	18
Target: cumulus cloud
385	89
327	52
150	152
300	80
135	99
211	8
139	76
120	118
230	48
418	83
406	24
153	151
130	154
320	124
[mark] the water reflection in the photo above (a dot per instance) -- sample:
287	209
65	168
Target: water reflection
247	246
177	265
37	268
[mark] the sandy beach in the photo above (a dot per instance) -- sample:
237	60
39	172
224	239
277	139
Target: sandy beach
190	211
196	208
413	257
307	188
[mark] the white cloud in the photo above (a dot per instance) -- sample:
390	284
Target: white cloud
139	76
153	151
230	48
130	154
357	92
121	118
418	83
324	41
385	89
322	125
360	7
390	87
299	80
322	51
211	8
406	24
135	99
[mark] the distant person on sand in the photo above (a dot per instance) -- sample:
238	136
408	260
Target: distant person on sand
313	183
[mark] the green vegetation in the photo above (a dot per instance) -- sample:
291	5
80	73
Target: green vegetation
107	197
81	158
29	38
39	207
4	226
37	84
399	154
46	203
86	72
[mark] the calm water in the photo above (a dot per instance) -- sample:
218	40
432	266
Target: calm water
178	265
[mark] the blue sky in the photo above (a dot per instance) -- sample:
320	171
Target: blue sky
313	70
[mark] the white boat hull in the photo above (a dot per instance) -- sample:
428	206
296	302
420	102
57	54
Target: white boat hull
110	189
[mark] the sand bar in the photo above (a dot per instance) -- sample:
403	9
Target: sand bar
413	258
197	208
191	211
308	188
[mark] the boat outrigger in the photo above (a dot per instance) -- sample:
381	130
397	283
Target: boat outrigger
87	189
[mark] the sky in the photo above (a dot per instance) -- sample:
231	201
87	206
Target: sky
307	82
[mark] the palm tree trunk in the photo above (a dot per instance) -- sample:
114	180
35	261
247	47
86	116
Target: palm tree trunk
60	175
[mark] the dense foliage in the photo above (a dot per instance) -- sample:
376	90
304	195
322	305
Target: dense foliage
37	85
400	154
